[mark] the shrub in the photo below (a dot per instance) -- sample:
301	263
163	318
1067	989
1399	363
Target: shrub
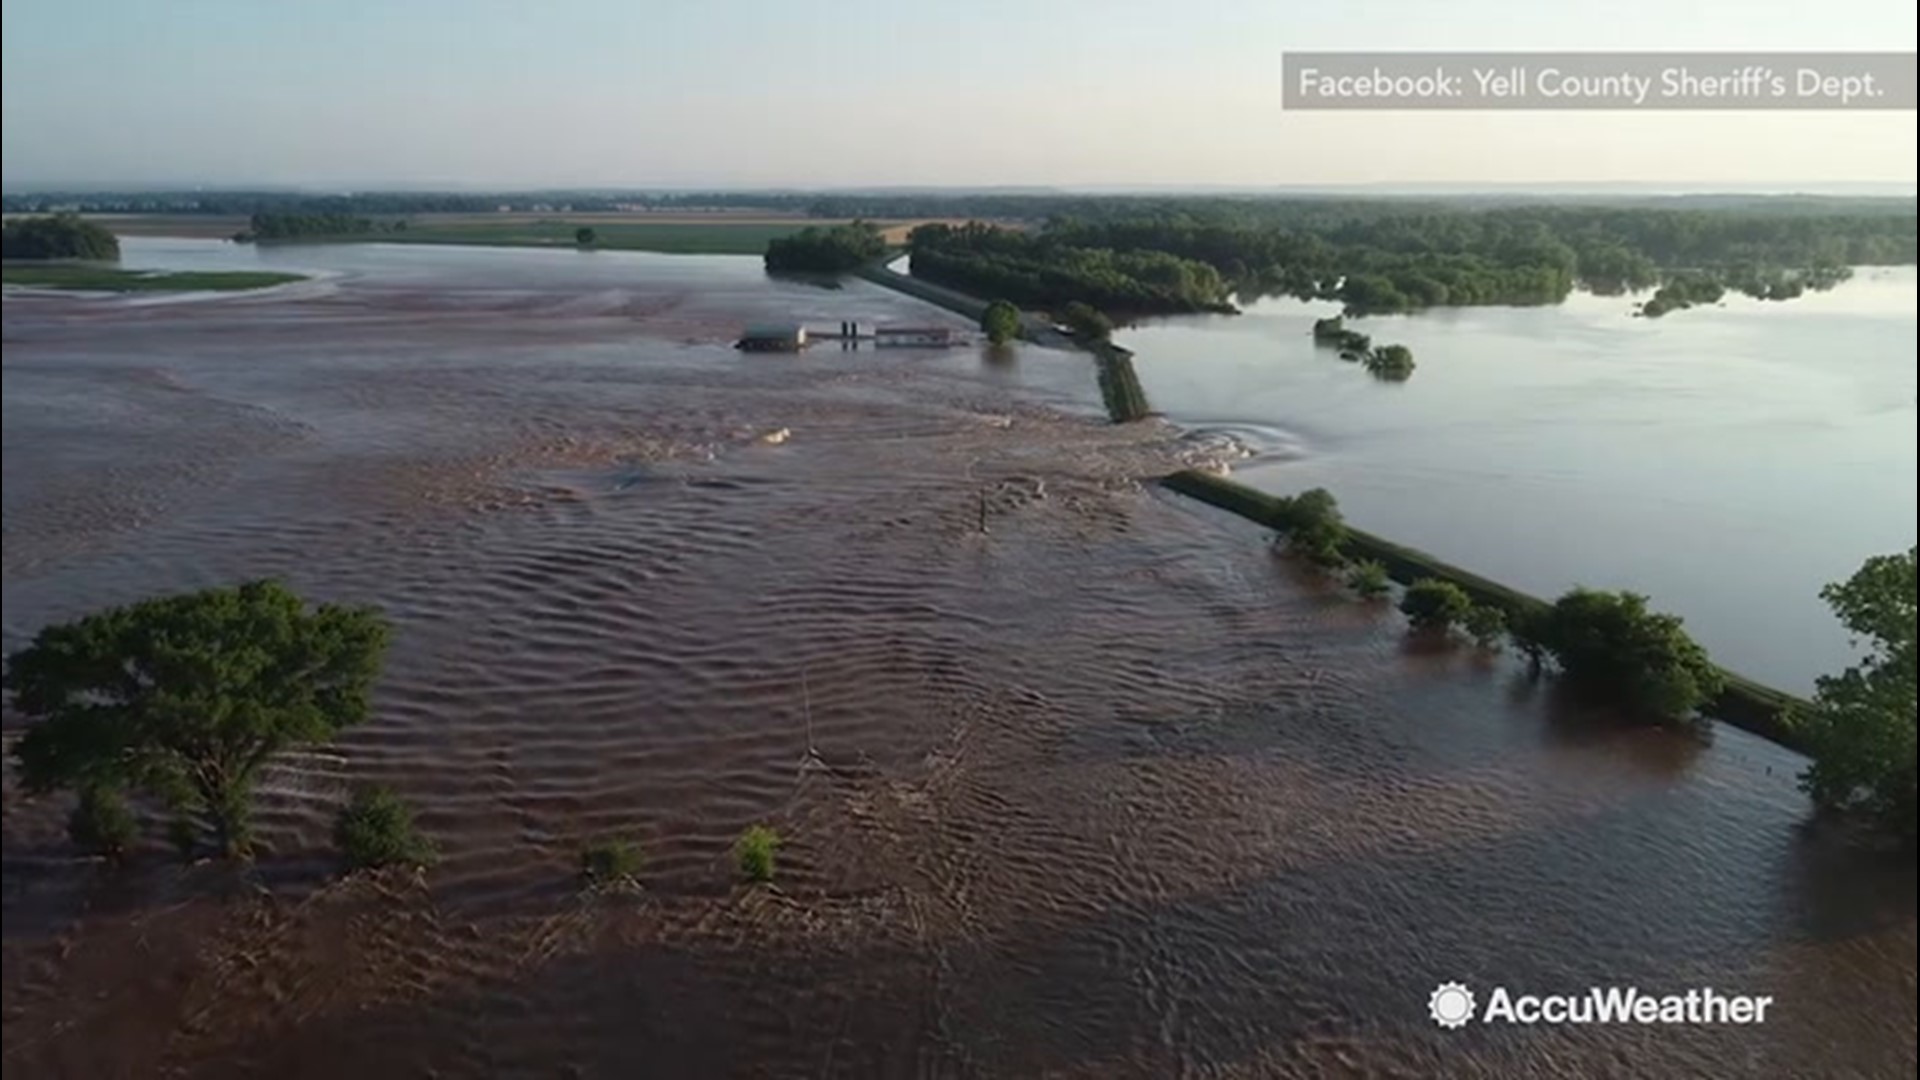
376	829
1392	363
610	861
1433	604
755	850
1314	526
101	824
1613	647
1368	577
1487	625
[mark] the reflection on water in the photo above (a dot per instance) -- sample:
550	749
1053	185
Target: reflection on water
1728	461
1107	789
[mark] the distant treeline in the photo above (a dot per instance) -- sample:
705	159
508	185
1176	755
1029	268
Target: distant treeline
1384	262
296	226
62	236
1049	270
1028	206
830	250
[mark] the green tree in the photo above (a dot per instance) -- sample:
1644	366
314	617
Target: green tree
1860	730
1435	604
1086	321
1612	646
584	236
187	697
1000	322
1393	363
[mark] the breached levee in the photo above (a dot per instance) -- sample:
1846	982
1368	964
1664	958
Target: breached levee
1743	703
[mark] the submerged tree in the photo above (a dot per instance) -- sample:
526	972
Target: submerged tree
1860	730
185	698
1000	322
1611	645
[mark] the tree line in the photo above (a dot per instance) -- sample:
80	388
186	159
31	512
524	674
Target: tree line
59	236
1859	730
831	250
1046	271
299	226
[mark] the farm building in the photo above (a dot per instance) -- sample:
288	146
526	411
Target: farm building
782	338
936	336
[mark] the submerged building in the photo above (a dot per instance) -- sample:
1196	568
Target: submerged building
786	337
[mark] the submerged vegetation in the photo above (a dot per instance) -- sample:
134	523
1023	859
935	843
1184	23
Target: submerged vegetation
375	829
1000	322
1860	726
187	698
89	278
1616	649
1435	605
59	236
1388	363
610	861
1609	644
754	852
835	249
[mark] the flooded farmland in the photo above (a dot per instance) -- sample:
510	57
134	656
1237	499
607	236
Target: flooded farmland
1106	789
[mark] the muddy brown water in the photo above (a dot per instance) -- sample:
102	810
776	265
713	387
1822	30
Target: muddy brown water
1109	790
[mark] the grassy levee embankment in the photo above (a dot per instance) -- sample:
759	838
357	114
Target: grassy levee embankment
1743	703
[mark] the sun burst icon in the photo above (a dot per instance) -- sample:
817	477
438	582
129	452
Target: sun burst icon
1450	1005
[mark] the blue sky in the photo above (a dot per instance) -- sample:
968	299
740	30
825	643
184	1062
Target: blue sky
845	92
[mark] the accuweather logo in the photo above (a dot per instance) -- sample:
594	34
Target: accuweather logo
1454	1006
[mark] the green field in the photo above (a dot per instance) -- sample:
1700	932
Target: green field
676	238
112	279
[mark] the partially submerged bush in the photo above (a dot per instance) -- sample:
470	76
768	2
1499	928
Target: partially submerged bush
1434	604
1614	648
1368	577
376	829
755	850
101	824
1313	526
610	861
1487	625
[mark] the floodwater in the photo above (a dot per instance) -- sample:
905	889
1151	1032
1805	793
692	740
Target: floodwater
1727	461
1106	790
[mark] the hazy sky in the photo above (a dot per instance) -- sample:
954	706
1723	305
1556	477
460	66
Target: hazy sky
842	92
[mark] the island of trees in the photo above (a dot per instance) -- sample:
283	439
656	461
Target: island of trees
832	250
1046	271
1388	363
59	236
